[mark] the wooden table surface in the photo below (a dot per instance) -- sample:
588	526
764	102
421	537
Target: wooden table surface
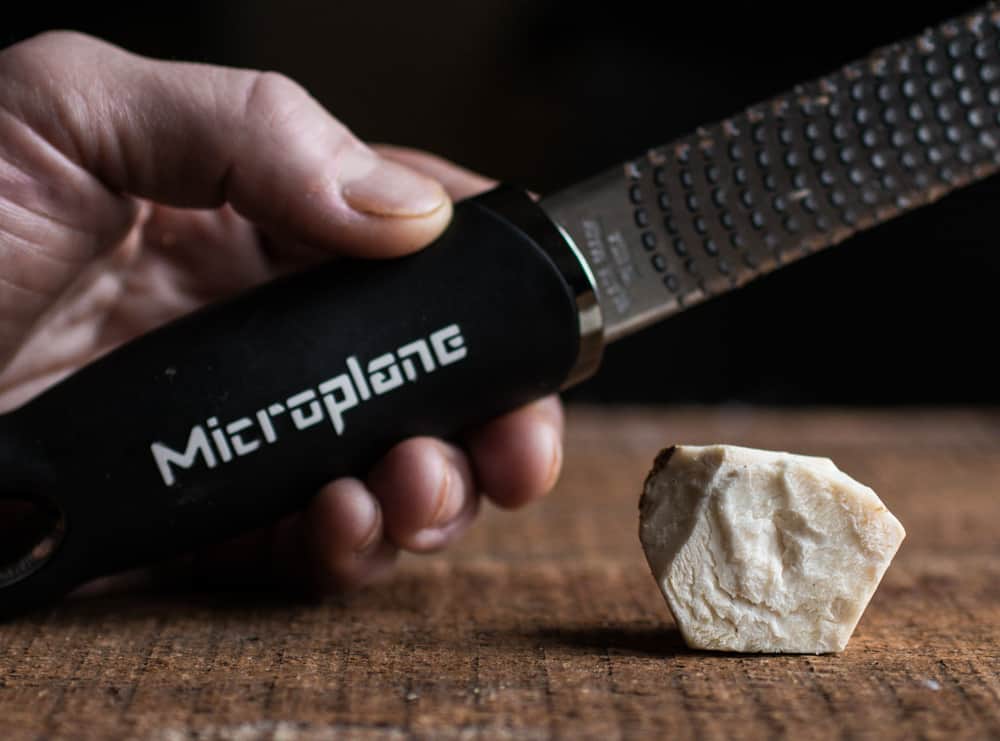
547	624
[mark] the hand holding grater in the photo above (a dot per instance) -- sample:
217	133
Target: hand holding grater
231	417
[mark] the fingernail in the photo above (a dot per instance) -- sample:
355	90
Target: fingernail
371	513
449	497
555	457
379	187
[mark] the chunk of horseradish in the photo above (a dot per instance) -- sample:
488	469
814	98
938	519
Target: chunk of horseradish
759	551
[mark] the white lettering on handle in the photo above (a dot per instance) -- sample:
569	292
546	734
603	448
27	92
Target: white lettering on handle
331	400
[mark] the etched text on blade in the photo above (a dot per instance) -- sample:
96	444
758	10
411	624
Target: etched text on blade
791	176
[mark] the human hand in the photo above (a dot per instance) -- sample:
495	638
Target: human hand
133	191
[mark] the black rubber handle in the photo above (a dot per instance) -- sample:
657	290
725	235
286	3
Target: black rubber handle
233	416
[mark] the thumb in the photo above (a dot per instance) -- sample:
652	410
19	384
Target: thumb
200	136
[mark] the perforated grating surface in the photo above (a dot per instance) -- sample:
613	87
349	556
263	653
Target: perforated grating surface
788	177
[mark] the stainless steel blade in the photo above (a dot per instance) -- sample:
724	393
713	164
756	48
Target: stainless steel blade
791	176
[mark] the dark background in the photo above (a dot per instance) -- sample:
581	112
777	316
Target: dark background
542	92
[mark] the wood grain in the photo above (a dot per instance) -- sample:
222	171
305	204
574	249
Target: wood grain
547	624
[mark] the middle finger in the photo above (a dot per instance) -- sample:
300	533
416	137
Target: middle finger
427	492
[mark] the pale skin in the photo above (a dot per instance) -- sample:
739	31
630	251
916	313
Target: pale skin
133	191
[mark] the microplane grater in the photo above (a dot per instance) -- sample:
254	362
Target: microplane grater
234	416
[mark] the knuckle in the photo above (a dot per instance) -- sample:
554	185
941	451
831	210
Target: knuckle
272	96
276	105
62	37
45	78
39	52
20	60
277	84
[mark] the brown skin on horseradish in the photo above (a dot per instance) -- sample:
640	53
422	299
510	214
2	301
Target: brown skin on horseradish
758	551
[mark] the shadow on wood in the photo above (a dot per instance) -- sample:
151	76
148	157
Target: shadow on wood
663	643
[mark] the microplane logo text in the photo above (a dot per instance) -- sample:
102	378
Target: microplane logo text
214	442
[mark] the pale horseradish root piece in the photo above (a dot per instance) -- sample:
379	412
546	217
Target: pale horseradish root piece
758	551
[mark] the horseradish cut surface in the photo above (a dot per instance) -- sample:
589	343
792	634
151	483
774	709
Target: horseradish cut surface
761	551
